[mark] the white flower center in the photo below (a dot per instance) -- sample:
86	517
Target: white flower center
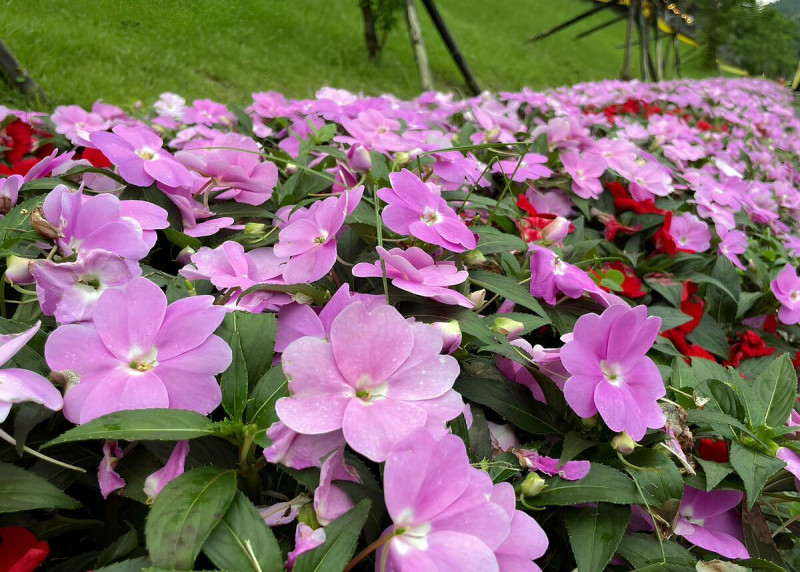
144	362
612	372
431	216
559	267
147	154
795	296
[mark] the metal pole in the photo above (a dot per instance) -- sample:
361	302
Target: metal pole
448	40
569	22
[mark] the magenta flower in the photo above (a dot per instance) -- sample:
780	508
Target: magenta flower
309	238
18	385
140	353
732	243
98	222
710	520
107	476
70	290
786	288
570	471
208	112
172	469
415	271
690	233
377	378
240	175
447	514
305	539
9	192
585	170
77	124
610	371
330	501
532	167
414	209
298	451
550	275
792	461
137	153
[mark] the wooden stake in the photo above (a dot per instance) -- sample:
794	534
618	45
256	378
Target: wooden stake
626	62
15	76
418	45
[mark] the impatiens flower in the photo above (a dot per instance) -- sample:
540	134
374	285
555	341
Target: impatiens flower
610	371
20	551
284	512
585	170
207	112
710	520
330	501
18	385
377	377
77	124
792	461
712	450
107	476
451	335
239	174
174	468
415	271
570	471
528	168
690	233
550	275
305	539
170	105
97	222
786	288
9	192
414	209
298	451
69	290
732	243
447	515
140	353
309	238
137	153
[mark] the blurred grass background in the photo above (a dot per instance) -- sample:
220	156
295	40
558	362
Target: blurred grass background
128	50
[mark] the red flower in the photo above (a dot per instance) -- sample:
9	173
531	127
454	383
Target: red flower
624	202
96	158
750	345
711	450
19	138
692	306
20	168
20	551
530	227
631	285
703	125
662	238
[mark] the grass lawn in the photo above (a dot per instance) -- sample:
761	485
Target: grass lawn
129	50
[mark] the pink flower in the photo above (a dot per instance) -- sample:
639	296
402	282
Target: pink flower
298	451
173	468
18	385
207	112
9	192
792	461
414	209
570	471
710	520
690	233
610	371
137	153
140	353
101	222
330	501
377	378
77	124
415	271
70	290
309	238
107	476
532	167
585	169
550	275
786	288
240	175
732	242
305	539
448	515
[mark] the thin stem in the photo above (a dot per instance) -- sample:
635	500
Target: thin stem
379	228
786	525
372	548
9	439
509	179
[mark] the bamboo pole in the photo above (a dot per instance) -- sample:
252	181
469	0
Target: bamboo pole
626	62
418	45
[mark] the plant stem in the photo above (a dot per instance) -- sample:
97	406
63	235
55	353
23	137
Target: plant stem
9	439
372	548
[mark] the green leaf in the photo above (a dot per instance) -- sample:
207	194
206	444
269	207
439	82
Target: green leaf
233	381
131	565
602	484
184	514
261	409
141	425
181	240
595	533
698	278
758	539
493	240
24	490
121	547
17	222
683	378
574	445
256	333
753	468
642	550
514	402
508	289
775	389
714	472
341	537
659	479
709	335
480	441
241	541
670	317
722	397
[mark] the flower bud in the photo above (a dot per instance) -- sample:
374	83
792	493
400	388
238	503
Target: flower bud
589	423
508	327
451	335
359	158
556	230
473	258
402	158
43	226
255	228
308	515
532	485
623	443
18	270
185	255
477	297
302	298
290	168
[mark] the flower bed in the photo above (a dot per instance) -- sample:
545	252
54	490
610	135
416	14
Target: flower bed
528	330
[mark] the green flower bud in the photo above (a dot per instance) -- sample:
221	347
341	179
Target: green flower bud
623	443
473	258
532	485
507	327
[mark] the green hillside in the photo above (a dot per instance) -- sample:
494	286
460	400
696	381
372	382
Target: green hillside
123	51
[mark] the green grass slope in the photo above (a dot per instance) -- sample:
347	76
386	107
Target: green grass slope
129	50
